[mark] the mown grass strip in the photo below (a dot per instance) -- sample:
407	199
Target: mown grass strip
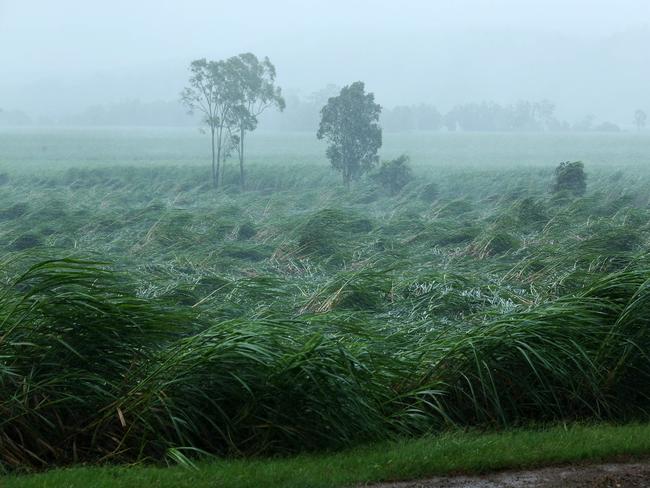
450	453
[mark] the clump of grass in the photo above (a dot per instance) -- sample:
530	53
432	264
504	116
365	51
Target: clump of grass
246	231
429	192
245	251
531	212
451	236
26	241
329	229
612	240
447	297
362	289
455	208
14	211
71	334
495	243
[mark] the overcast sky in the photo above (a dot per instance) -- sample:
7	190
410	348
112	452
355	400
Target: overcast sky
59	56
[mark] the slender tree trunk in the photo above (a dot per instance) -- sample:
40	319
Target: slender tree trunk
223	167
242	179
346	178
214	181
219	142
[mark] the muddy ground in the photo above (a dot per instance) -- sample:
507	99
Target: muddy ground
612	475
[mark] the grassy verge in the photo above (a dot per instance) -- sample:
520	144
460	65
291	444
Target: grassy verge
445	454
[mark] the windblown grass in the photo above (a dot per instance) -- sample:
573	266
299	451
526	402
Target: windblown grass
298	317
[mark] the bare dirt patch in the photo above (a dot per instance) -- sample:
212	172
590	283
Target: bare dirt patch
611	475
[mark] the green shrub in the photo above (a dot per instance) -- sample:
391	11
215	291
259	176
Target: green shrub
570	177
395	174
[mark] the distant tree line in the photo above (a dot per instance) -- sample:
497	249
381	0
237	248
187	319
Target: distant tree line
134	113
491	116
523	116
422	117
126	113
302	114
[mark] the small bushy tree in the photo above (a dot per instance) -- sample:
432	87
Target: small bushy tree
350	125
571	177
395	174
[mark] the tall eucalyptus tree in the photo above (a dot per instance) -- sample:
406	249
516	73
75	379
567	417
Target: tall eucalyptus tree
211	94
254	91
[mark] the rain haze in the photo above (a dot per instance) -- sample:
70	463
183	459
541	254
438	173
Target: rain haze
587	57
287	243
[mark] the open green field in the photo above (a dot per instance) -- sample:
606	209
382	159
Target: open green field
146	317
140	146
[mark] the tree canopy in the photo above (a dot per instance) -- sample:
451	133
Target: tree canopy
255	91
350	125
231	94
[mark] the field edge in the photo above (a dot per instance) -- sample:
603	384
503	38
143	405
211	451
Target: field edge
446	454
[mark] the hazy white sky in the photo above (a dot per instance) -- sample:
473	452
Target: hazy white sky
584	54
